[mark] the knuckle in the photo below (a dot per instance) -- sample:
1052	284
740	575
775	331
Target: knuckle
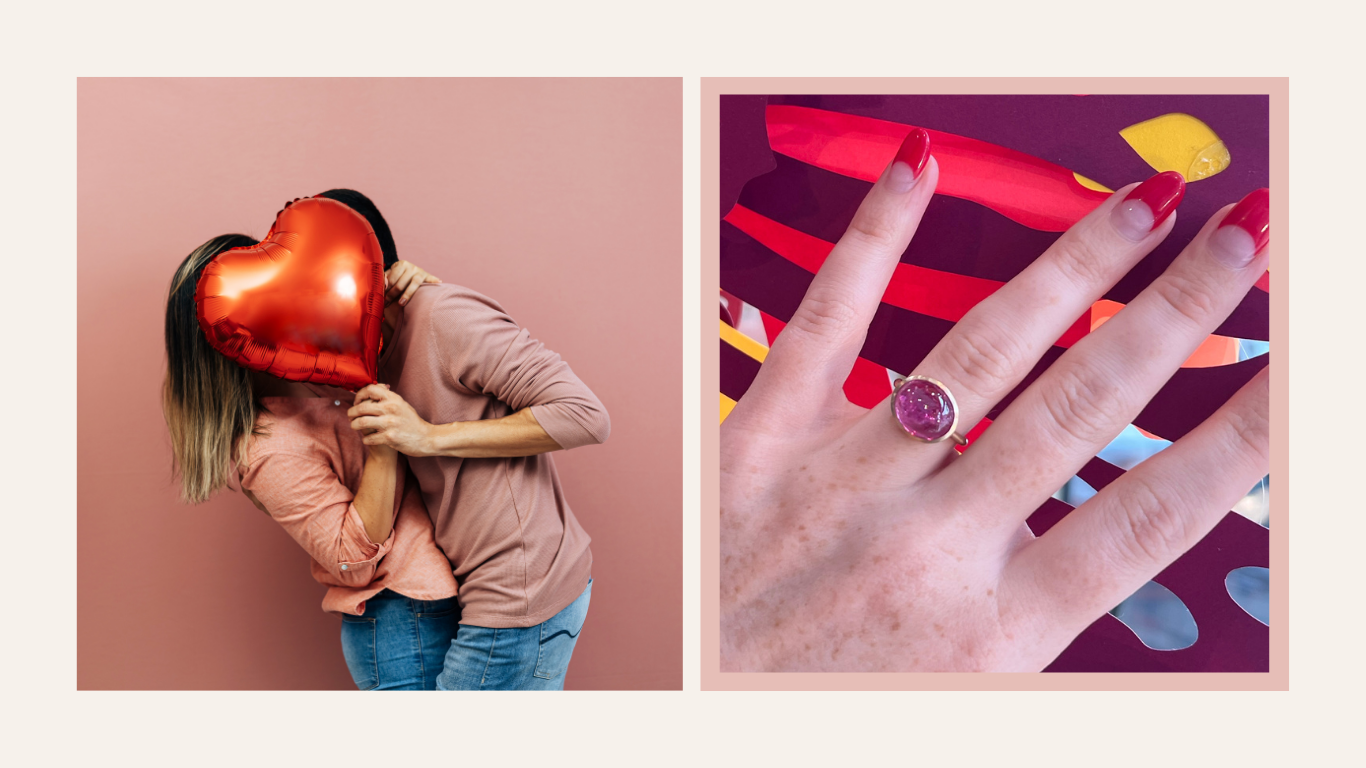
1083	404
984	361
1189	299
824	318
1150	526
1079	262
1251	430
873	229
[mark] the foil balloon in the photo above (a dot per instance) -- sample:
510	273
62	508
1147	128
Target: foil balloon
306	303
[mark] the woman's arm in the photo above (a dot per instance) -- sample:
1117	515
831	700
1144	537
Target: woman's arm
346	534
375	497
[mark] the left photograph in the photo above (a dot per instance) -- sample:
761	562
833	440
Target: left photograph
380	384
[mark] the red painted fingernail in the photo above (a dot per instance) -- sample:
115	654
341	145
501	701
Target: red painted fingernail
1244	231
1148	205
909	161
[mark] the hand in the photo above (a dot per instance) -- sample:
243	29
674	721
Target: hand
385	419
846	544
403	279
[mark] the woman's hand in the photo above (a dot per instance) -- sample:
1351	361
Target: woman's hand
846	544
403	279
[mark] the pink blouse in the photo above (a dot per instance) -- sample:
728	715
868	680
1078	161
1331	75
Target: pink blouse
305	472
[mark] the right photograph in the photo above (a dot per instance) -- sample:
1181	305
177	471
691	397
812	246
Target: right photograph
994	383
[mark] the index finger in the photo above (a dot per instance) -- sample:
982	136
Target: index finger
815	352
413	285
398	276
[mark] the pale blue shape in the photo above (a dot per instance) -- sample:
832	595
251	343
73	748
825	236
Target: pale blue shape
1250	588
1159	618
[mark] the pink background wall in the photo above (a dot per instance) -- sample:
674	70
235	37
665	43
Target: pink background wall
562	199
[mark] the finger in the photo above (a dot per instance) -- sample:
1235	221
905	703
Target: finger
413	285
1098	386
997	343
433	279
1139	524
366	422
815	352
402	275
367	408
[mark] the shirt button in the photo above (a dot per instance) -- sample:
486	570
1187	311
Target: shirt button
336	402
343	566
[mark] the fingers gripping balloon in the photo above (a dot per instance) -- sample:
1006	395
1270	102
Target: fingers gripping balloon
306	303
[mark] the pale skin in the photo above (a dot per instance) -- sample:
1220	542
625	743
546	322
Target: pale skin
375	497
847	545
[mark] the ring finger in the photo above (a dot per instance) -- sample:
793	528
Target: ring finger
998	342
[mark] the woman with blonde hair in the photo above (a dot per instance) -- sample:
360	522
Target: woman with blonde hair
353	508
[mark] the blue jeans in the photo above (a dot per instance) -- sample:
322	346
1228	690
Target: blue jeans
516	658
400	643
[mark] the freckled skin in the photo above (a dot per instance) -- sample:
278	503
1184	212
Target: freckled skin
877	589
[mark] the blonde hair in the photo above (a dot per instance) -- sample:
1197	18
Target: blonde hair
206	398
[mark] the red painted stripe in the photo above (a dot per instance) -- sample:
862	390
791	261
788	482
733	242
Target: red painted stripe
945	295
867	385
973	434
1023	188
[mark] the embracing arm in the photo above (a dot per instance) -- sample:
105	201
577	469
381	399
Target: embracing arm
517	434
395	423
478	348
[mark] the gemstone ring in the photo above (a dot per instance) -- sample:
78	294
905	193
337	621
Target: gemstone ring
926	410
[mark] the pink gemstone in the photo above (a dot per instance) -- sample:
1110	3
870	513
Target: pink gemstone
924	409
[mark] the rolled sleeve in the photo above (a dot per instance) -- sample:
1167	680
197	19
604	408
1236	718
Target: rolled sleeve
495	357
308	500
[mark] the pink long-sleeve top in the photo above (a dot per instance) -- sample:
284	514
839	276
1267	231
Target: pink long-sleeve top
519	554
305	472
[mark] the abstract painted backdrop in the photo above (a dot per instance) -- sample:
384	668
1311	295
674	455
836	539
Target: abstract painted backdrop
1015	172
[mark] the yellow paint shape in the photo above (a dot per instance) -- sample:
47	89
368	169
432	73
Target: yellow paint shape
727	405
742	342
1179	142
1089	184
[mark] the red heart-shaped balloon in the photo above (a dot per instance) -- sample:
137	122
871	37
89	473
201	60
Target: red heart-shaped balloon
306	303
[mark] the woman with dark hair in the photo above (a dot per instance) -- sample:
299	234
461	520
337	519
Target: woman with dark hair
352	507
